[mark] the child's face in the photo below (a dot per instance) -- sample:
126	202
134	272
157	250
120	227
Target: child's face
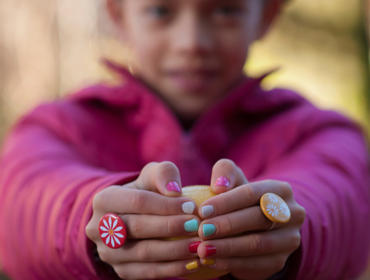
189	51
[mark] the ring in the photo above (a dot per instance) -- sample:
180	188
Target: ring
275	209
272	226
112	231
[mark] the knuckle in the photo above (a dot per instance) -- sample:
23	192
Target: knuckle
222	200
250	264
169	227
146	171
300	214
143	252
138	199
135	226
279	263
151	272
91	231
228	249
179	254
100	199
249	191
286	188
167	168
168	206
121	272
104	255
257	245
176	251
226	225
295	241
148	166
173	270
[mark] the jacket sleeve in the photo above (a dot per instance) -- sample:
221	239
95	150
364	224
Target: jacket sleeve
46	192
328	169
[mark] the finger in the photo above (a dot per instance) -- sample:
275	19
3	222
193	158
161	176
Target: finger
149	226
258	267
150	251
244	220
226	175
118	199
254	244
244	196
157	270
161	177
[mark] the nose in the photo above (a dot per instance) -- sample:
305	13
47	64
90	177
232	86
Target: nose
192	34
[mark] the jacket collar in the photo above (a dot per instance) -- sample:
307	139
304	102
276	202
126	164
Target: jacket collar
132	89
212	132
241	93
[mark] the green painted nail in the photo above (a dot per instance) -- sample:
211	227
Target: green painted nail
191	225
208	230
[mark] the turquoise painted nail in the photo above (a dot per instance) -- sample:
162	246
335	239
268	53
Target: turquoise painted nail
208	230
191	225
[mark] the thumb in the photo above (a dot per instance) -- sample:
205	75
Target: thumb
226	175
163	177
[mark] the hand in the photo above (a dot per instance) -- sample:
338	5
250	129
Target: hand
255	252
161	215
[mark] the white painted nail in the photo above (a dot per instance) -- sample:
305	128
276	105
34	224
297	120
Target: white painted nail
188	207
207	210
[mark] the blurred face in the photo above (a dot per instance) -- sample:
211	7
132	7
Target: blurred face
190	52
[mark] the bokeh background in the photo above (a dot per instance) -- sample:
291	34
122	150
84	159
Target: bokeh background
49	48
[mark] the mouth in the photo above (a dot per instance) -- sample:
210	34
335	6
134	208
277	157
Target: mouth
193	80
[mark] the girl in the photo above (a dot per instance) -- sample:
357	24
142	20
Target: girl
188	116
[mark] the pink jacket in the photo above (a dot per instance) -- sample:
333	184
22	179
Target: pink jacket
62	153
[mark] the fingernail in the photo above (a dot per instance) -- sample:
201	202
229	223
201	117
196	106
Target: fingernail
209	262
188	207
222	181
192	265
207	211
191	225
193	247
210	250
208	230
173	187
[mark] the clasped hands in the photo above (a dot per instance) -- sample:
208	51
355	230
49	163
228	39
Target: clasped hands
152	209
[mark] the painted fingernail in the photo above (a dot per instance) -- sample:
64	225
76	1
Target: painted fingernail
208	230
209	262
193	247
222	181
207	211
188	207
210	250
191	225
192	265
173	187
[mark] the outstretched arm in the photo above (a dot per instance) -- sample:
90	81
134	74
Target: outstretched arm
327	171
46	191
330	177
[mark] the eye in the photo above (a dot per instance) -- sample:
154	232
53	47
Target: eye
227	11
158	11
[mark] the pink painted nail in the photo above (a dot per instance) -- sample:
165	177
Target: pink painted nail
173	187
222	181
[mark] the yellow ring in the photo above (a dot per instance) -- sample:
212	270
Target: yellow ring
275	208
